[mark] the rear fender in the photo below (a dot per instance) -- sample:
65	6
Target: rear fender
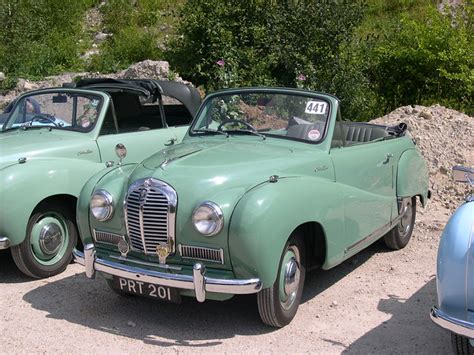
412	176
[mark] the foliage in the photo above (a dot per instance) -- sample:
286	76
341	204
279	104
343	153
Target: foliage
227	43
425	61
40	37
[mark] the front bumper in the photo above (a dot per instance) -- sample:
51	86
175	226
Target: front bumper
455	325
4	243
198	282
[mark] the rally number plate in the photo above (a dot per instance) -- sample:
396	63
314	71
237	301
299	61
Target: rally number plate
158	292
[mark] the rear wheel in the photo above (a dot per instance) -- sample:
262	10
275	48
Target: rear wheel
50	237
399	236
278	304
461	345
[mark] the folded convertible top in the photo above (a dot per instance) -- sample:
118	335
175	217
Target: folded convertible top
149	88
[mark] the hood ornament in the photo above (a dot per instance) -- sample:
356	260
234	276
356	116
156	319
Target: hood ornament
163	250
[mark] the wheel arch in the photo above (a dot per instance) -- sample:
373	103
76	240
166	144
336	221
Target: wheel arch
314	239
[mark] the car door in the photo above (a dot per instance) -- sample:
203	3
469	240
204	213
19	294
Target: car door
139	127
365	173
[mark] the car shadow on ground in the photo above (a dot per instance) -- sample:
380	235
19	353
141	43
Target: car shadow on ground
409	330
319	280
9	273
90	303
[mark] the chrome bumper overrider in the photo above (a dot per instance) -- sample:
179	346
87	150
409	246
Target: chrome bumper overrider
198	282
4	243
455	325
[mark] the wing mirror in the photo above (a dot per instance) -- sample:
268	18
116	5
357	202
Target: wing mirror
121	152
463	174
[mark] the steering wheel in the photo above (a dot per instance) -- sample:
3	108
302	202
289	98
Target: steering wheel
236	121
43	118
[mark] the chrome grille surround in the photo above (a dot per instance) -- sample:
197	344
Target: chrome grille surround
107	237
201	253
150	215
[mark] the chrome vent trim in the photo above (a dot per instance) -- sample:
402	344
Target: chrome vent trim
107	237
201	253
150	215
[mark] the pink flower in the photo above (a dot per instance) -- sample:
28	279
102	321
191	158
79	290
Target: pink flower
301	77
220	63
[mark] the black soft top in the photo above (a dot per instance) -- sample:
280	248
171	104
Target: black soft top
186	94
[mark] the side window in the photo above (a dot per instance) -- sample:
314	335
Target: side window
338	137
176	113
108	125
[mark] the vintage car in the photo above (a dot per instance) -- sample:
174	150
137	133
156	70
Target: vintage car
267	183
55	139
455	272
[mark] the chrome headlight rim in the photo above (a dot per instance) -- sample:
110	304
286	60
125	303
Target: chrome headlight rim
218	221
108	205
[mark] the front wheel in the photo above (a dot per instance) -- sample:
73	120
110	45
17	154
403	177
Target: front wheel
278	304
50	237
461	345
399	236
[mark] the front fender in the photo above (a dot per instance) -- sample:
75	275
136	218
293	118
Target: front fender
113	179
24	186
455	264
412	176
265	217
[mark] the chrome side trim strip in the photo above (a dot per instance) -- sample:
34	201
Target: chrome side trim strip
4	243
452	324
378	233
198	282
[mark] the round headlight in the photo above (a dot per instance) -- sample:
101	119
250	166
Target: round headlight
208	218
101	205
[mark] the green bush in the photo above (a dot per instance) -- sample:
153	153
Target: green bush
424	61
284	43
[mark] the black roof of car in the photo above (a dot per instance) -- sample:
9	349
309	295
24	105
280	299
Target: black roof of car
186	94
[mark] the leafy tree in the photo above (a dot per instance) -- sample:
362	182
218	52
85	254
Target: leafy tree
280	42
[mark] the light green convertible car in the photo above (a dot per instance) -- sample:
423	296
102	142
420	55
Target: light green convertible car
54	140
267	184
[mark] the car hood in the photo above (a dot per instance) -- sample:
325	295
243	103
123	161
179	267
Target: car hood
207	168
36	143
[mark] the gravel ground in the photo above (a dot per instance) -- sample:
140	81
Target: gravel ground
376	302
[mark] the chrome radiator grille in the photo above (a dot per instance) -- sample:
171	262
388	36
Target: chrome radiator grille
150	210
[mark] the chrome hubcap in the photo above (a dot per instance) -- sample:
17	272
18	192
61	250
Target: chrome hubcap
290	277
50	239
406	210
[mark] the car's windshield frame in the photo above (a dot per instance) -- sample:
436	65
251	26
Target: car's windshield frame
203	112
8	124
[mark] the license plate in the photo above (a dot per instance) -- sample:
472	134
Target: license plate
158	292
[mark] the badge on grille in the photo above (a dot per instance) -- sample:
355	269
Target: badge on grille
163	250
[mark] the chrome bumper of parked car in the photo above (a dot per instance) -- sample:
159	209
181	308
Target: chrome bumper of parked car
198	282
4	243
455	325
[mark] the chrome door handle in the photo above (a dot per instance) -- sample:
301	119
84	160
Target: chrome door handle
387	158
